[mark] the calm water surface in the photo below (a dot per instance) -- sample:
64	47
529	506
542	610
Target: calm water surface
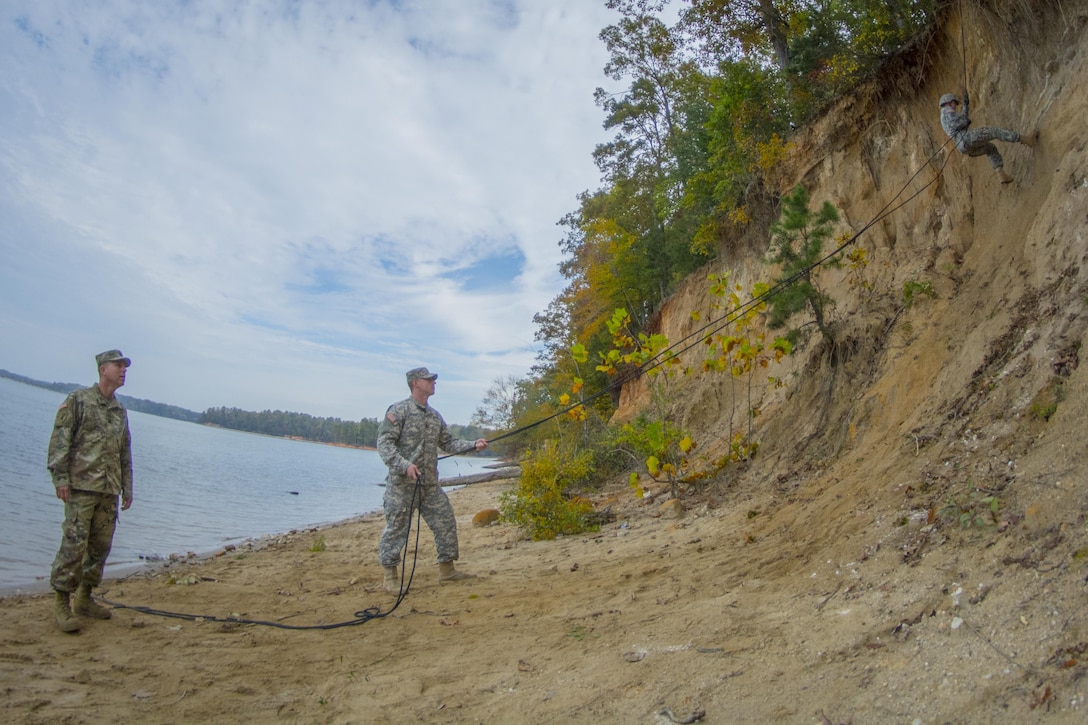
196	488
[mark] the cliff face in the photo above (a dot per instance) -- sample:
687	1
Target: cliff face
905	385
892	446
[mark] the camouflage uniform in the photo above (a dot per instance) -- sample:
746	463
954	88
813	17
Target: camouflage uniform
974	141
412	433
91	452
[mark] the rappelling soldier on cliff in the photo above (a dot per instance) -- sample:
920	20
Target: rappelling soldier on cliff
978	141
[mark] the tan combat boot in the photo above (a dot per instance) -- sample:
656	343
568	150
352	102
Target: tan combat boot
1004	175
62	611
1029	139
391	583
446	573
86	607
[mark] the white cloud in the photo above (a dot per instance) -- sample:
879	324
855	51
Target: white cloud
267	205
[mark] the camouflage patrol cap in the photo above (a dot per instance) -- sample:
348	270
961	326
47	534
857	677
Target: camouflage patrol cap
109	356
947	98
420	374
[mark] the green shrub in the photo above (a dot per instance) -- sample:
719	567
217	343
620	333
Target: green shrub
913	289
979	509
541	501
1045	403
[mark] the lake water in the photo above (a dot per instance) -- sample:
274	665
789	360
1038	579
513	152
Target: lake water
195	488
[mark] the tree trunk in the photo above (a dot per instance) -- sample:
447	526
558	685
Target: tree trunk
775	26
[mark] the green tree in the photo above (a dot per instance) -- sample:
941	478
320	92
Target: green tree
742	28
659	145
816	48
496	410
630	243
797	242
744	131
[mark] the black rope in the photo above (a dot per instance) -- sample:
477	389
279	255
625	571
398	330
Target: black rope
963	49
361	617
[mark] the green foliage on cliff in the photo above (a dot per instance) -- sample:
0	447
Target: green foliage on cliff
704	98
702	111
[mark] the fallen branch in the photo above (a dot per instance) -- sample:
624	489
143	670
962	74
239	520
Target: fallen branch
508	472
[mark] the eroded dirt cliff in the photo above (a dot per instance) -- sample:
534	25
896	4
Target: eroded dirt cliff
886	453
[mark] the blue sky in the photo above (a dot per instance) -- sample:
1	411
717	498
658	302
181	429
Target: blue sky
288	204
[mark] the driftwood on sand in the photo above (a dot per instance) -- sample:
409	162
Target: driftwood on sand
508	472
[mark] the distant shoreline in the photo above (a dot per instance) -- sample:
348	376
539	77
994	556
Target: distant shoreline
300	439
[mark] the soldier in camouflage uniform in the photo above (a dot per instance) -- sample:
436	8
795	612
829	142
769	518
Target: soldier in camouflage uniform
408	441
977	141
90	460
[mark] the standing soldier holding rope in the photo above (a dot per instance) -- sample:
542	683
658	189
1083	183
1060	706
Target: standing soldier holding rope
408	441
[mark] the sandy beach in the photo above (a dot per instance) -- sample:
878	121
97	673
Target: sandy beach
716	616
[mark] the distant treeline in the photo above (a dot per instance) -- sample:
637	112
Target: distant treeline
137	404
268	422
302	425
296	425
